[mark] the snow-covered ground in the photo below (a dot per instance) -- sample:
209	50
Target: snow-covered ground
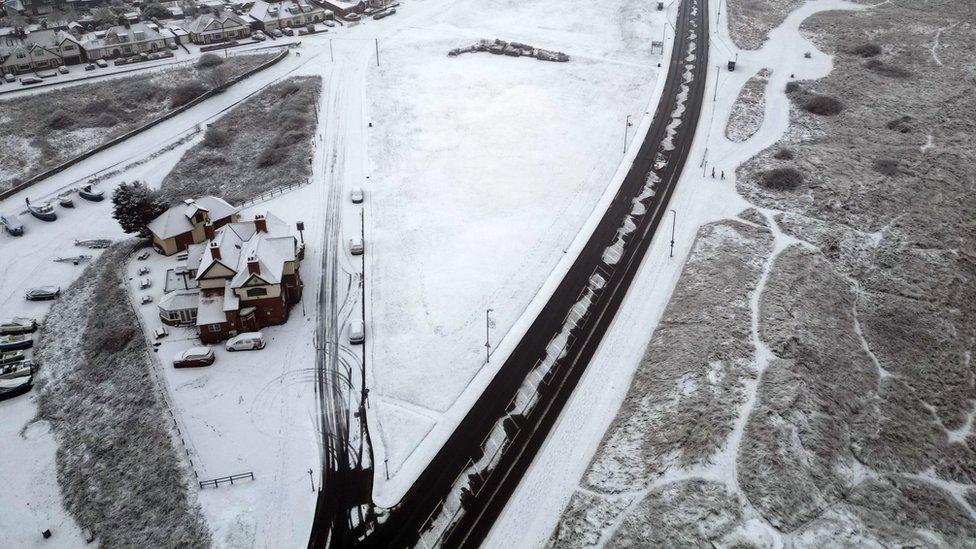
534	510
483	171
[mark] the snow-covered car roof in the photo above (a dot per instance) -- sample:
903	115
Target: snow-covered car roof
194	352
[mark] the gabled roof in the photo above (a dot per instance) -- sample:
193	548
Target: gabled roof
175	220
214	22
241	241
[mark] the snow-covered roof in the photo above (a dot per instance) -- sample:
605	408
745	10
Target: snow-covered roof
179	300
224	20
240	241
231	301
210	309
176	220
270	11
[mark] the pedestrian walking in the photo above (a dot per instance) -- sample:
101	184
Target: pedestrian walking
713	172
723	174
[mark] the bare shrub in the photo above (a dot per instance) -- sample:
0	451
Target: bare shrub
902	124
60	120
887	166
105	120
868	49
783	154
271	156
781	179
184	93
885	69
215	137
823	105
208	60
214	77
792	87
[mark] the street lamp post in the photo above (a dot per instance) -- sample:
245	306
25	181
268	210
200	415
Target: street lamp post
626	125
718	72
488	335
674	220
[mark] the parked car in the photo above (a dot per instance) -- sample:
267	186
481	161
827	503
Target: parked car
101	63
173	47
10	78
328	23
28	80
144	270
18	325
248	341
259	36
161	332
277	33
90	67
352	17
11	224
356	246
194	357
63	70
357	332
43	293
16	342
145	282
288	32
356	194
45	74
143	256
146	299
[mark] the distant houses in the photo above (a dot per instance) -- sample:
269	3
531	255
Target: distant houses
22	51
209	28
287	13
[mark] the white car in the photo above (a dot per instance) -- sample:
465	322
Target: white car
328	23
145	282
356	246
248	341
356	194
357	332
146	299
144	270
259	36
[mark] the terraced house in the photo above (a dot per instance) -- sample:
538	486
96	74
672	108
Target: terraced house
44	49
290	13
208	29
125	40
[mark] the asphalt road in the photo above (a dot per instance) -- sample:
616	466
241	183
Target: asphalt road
460	494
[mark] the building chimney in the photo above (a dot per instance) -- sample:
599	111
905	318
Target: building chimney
214	249
208	230
253	266
260	224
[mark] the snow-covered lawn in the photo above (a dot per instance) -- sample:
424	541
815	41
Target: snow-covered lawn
484	170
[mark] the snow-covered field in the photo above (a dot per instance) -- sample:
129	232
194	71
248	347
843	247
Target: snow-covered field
484	170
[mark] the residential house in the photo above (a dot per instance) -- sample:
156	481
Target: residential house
126	40
209	28
248	278
290	13
191	222
43	49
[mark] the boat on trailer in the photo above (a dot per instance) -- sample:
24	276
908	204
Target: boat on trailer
43	211
88	192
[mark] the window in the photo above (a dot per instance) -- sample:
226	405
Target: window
257	292
214	328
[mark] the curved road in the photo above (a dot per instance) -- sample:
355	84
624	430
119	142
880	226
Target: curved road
457	498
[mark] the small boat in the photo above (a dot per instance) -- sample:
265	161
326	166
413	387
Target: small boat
90	193
65	201
18	325
11	357
43	211
10	388
15	342
11	371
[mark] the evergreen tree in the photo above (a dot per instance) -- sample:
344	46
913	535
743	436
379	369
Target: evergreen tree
134	206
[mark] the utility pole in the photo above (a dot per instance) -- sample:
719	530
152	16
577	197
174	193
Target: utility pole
674	219
386	464
377	41
488	335
311	480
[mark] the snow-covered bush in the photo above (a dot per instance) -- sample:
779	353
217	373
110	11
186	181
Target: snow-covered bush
119	471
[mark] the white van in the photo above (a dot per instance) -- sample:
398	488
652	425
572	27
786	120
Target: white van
356	246
357	332
248	341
